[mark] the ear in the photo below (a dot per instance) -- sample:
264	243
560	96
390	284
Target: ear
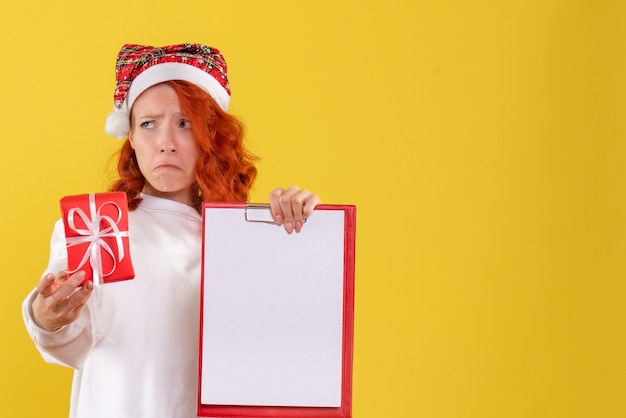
130	139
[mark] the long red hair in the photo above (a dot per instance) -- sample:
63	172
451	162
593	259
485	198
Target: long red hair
225	170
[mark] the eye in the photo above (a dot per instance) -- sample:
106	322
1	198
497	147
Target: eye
184	124
147	124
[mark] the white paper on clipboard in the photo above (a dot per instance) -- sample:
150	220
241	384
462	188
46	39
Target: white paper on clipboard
272	311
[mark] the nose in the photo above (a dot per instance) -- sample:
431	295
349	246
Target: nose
167	148
167	141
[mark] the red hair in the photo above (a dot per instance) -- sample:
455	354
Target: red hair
225	170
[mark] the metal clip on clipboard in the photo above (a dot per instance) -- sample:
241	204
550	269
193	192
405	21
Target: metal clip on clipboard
260	213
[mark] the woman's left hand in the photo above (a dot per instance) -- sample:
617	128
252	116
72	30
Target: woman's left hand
291	207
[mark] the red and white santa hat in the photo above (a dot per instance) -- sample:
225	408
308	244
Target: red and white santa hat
140	67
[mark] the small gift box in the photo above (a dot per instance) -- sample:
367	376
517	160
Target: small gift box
96	233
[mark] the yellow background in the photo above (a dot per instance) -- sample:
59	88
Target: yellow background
482	141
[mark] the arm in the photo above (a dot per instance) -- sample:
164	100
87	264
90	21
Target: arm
55	312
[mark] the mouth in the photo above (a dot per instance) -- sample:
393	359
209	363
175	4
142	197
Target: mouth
167	167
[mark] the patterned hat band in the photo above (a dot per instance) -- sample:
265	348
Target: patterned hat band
141	67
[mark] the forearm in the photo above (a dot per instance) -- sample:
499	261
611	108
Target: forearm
67	346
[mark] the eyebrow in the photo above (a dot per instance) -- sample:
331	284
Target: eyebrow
149	116
159	115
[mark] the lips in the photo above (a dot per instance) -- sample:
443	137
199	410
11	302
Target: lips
167	167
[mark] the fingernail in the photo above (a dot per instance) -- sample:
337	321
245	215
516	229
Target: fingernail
80	275
298	226
279	219
289	227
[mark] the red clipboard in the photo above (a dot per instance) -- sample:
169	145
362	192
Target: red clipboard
277	314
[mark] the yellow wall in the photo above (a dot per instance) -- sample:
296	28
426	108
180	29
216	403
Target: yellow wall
483	142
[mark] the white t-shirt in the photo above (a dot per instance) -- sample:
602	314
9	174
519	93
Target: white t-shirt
136	350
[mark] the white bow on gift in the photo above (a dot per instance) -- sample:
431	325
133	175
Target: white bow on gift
94	235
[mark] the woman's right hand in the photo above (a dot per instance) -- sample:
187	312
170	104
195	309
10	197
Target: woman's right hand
60	299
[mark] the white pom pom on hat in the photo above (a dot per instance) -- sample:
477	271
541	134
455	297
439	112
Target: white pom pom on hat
118	123
141	67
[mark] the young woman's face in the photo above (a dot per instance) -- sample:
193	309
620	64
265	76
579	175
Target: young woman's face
164	145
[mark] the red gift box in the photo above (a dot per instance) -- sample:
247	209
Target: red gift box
96	233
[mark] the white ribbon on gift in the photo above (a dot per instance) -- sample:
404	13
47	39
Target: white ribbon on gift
94	235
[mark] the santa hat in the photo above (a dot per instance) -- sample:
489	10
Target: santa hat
140	67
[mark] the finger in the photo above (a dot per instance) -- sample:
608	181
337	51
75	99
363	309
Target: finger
78	299
303	204
309	205
69	286
286	204
275	206
62	276
306	204
44	287
56	281
297	205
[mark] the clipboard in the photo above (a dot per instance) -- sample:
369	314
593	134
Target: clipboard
277	314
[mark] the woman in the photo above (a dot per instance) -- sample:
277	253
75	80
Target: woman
135	347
